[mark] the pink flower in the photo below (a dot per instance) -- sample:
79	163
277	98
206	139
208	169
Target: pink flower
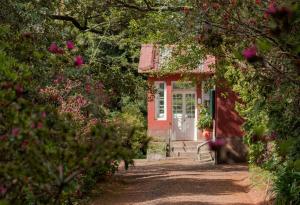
60	51
78	61
70	45
44	114
87	88
15	131
3	190
272	9
217	144
53	48
3	138
58	79
24	144
32	125
39	125
250	53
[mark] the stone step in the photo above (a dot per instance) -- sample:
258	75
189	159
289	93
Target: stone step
185	143
204	161
189	149
176	149
188	155
203	156
192	155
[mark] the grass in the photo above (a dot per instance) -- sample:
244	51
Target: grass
260	178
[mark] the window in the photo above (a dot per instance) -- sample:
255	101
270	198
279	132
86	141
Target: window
160	101
177	104
183	85
205	93
190	105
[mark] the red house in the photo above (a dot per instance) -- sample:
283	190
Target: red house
173	108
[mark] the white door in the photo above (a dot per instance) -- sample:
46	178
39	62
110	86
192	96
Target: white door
184	104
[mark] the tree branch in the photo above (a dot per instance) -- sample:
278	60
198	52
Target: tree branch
148	7
76	23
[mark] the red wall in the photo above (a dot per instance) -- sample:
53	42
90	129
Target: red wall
228	121
162	127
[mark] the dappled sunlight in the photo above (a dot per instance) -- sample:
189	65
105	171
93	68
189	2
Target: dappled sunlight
180	182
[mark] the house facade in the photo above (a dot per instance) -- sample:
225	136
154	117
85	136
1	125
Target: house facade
173	109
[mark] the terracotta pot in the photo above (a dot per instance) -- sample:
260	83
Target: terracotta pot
207	133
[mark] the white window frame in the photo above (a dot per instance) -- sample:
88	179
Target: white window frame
194	90
157	117
205	95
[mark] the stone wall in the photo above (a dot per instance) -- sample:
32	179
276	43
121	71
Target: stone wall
157	149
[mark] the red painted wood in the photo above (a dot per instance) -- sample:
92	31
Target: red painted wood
228	121
147	57
162	127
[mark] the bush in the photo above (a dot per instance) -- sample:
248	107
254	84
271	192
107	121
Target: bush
205	119
287	186
56	147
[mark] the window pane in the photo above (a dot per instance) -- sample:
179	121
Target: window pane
183	85
190	105
162	86
177	104
160	100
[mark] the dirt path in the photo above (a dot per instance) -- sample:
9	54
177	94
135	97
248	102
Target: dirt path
179	182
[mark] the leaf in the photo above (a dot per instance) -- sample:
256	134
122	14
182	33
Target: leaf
263	45
4	202
238	54
284	146
297	165
259	130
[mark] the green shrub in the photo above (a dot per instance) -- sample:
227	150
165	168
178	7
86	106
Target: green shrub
54	155
205	119
287	186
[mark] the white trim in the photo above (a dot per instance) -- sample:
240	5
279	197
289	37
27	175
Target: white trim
214	120
156	83
191	89
204	95
183	91
196	117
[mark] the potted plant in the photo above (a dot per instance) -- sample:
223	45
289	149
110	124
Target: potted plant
205	122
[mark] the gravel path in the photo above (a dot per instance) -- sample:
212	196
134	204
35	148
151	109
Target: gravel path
177	182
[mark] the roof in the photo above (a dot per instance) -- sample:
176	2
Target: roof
150	58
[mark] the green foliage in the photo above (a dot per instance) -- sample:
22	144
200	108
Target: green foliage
56	123
260	178
205	119
286	186
267	83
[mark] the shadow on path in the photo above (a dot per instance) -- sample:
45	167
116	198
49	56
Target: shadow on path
177	182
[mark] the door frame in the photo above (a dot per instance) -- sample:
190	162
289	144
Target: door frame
186	91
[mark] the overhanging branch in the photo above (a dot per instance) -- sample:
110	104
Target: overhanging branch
148	7
76	23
